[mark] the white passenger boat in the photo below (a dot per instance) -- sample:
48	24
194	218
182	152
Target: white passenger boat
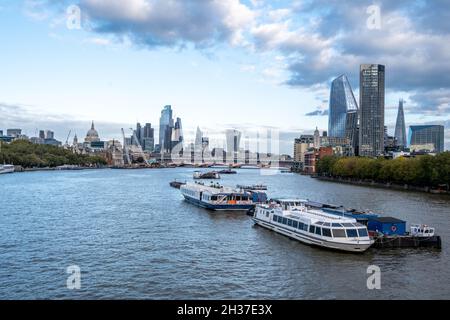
217	197
313	226
421	230
206	175
6	168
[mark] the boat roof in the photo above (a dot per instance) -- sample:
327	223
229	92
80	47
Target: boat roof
314	215
388	220
211	189
287	200
319	215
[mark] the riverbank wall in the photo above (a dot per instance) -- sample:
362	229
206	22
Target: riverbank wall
376	184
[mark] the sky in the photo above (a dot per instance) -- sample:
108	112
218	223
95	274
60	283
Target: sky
221	64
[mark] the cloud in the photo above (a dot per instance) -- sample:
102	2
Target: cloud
317	112
415	48
433	102
170	23
316	40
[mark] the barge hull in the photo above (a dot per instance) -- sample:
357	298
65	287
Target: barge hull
408	242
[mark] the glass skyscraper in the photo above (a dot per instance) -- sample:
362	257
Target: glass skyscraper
165	129
426	138
400	128
342	101
371	104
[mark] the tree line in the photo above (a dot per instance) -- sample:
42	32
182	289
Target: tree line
30	155
423	170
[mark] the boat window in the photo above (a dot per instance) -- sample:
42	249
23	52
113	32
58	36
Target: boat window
213	198
326	232
347	224
362	232
319	231
290	222
238	198
284	220
336	225
327	224
319	223
300	225
275	218
305	227
338	233
295	224
351	233
280	219
312	229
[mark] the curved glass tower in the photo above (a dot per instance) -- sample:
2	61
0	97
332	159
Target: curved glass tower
342	101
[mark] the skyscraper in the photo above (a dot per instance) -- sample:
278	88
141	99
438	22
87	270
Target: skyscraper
198	139
400	128
148	138
177	133
165	128
138	134
426	138
342	101
233	138
371	102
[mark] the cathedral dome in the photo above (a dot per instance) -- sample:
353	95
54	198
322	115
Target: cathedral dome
92	134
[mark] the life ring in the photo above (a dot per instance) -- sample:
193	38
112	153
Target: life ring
394	228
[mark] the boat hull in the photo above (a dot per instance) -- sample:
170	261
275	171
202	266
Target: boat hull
218	207
356	248
6	170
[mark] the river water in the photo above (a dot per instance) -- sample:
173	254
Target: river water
132	236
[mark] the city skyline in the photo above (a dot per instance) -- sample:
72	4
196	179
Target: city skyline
249	77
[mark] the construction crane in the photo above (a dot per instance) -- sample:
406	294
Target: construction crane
125	147
67	140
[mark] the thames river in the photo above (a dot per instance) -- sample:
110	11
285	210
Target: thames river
132	236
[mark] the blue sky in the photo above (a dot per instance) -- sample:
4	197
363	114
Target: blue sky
220	64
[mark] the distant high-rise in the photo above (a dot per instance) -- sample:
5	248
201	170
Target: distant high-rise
41	134
233	138
148	138
342	101
371	103
426	138
400	128
198	138
138	133
177	133
165	129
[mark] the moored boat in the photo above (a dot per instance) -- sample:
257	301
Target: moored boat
206	175
217	197
313	226
6	168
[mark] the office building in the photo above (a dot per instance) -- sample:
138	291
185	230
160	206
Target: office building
165	129
342	101
426	138
148	138
371	103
